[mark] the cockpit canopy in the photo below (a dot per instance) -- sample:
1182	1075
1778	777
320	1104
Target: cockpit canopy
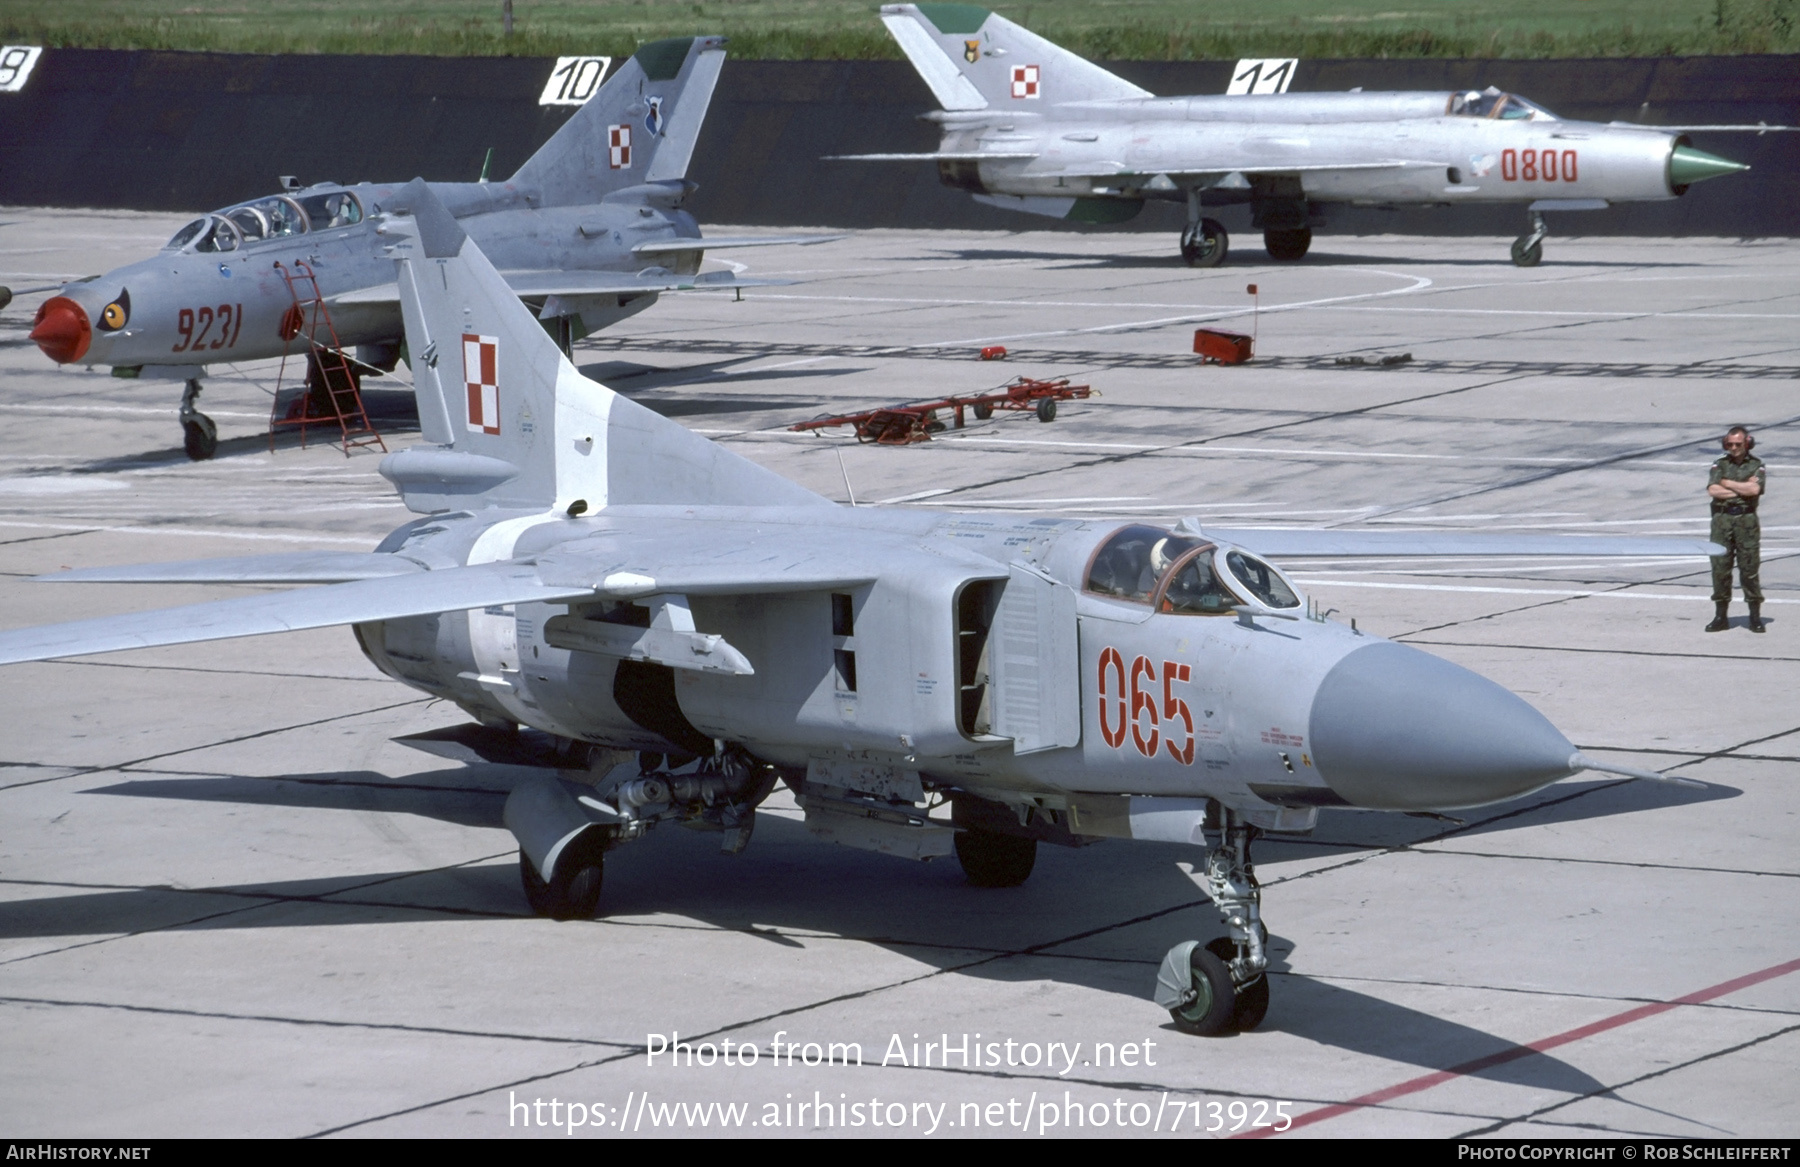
276	217
1182	575
1491	103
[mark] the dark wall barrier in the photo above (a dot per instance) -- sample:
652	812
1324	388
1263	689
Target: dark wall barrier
187	131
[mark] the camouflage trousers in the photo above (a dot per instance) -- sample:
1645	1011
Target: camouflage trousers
1741	536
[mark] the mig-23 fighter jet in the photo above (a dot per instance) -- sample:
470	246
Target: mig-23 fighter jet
1033	127
589	231
587	569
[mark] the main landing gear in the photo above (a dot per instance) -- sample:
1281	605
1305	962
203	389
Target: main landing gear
1287	243
1223	985
1528	248
199	435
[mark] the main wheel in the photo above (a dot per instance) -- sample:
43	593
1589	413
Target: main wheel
1288	243
1046	409
200	437
1527	256
1210	1013
1253	998
991	860
574	894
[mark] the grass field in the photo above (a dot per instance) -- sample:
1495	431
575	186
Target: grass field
848	29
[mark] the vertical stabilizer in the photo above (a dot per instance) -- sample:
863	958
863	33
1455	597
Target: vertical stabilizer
510	421
640	126
973	59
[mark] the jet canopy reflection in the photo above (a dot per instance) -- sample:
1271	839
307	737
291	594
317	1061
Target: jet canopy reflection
1180	575
1492	103
275	217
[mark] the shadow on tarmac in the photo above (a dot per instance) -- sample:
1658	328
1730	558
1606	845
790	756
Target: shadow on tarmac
789	888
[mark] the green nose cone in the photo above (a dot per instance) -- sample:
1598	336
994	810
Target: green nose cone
1688	166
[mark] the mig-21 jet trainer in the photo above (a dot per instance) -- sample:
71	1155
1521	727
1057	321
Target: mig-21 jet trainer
1032	127
690	628
589	231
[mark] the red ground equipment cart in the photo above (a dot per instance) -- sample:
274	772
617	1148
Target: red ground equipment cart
900	425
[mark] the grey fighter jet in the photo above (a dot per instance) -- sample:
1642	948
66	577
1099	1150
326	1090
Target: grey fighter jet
589	231
686	628
1033	127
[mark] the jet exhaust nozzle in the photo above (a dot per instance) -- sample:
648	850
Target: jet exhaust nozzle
1394	728
62	330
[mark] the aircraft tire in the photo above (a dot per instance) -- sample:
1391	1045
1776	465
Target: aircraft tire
1253	998
1046	409
1207	246
575	892
200	438
1288	244
1212	1012
1527	256
991	860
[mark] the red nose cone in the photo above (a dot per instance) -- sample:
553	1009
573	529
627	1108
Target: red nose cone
61	330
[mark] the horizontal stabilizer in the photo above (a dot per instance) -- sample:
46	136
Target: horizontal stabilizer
568	284
420	594
937	156
1278	541
298	567
665	246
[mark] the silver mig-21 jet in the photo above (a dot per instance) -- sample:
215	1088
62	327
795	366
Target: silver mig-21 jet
691	628
1032	127
588	231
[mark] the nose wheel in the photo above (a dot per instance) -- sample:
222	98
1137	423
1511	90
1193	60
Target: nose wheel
1222	986
1204	244
1528	248
199	436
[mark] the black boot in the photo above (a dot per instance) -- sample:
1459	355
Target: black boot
1720	623
1756	624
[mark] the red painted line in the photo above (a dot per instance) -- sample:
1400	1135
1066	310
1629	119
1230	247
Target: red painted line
1514	1053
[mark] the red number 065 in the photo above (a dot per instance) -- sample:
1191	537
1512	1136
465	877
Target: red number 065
1129	702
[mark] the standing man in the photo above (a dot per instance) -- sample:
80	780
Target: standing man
1735	486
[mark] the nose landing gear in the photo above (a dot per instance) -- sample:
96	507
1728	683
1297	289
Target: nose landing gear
1528	248
1204	244
1222	986
200	437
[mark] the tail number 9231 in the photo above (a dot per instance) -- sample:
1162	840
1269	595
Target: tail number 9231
1139	702
197	327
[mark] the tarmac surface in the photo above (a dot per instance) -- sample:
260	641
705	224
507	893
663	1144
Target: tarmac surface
231	905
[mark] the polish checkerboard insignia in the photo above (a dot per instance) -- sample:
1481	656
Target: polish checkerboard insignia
971	51
481	375
1025	82
618	147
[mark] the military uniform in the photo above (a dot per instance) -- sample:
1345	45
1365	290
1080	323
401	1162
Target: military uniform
1735	528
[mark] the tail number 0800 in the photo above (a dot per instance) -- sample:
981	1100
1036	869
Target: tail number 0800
1135	704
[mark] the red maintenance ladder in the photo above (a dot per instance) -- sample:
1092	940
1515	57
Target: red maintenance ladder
333	390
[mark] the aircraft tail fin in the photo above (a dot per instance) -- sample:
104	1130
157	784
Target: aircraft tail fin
513	424
639	127
975	59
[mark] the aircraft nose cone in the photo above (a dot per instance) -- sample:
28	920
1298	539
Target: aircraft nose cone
1688	166
1394	728
61	329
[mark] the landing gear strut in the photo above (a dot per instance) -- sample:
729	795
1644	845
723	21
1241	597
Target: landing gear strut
199	435
1528	248
1222	986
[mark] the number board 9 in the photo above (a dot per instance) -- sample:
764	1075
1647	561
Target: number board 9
574	80
16	63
